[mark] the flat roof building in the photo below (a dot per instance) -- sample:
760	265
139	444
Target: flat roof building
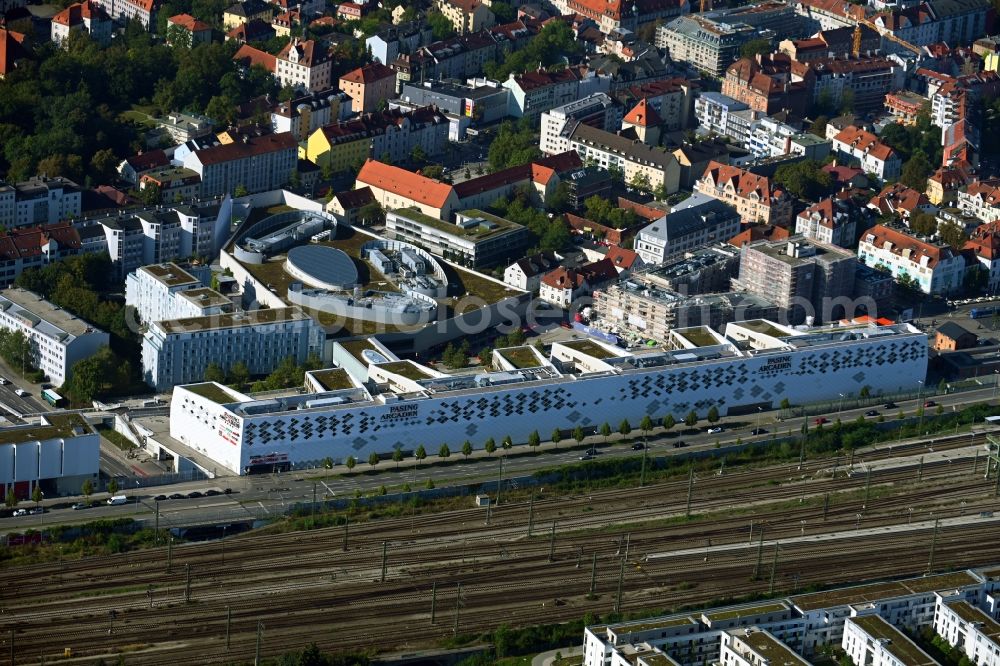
475	238
59	338
64	452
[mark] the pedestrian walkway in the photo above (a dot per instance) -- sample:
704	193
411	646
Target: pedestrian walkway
549	658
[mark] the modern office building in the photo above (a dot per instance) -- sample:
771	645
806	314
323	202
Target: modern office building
708	45
58	338
597	110
759	364
177	351
475	238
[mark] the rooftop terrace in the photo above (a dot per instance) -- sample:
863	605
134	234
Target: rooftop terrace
171	275
589	348
774	651
405	369
520	357
211	391
987	625
233	320
333	379
746	611
496	225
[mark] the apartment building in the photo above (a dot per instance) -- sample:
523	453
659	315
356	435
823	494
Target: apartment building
388	136
965	626
563	286
454	58
869	80
981	199
39	200
984	245
387	44
58	338
873	156
304	65
257	164
653	166
696	222
709	45
186	30
533	93
177	351
87	17
167	291
27	247
597	110
368	86
870	639
831	221
466	15
753	196
526	273
475	238
767	84
713	110
394	188
802	277
933	268
673	100
304	115
123	11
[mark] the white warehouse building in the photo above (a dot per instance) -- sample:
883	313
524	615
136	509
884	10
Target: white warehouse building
177	351
583	383
59	452
58	339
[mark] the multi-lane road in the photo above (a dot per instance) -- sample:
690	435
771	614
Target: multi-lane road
270	495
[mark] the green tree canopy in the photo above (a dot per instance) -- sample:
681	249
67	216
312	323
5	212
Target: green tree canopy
805	180
916	170
554	42
924	224
754	47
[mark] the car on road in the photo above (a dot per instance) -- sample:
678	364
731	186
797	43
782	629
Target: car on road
227	491
4	381
212	493
194	494
177	496
638	447
930	403
821	420
872	412
159	498
758	431
680	444
890	405
80	505
20	512
586	456
21	393
714	430
37	510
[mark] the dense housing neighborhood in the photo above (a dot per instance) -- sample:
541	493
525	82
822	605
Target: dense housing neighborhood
729	264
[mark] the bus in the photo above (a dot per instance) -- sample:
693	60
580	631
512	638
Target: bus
53	398
981	313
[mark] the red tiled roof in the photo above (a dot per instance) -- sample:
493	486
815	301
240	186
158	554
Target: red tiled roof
259	145
643	115
899	197
540	171
744	182
250	56
369	73
310	53
647	212
622	257
78	12
148	160
405	183
189	22
858	138
532	80
880	234
760	232
985	241
563	278
28	241
11	50
254	30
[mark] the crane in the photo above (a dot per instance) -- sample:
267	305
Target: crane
885	34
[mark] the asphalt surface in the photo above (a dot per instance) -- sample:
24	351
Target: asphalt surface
265	496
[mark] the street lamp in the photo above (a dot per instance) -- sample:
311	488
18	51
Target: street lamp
840	407
920	407
996	380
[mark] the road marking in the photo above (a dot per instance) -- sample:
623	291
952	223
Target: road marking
328	488
261	504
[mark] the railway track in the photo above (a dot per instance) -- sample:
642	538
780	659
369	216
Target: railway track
309	590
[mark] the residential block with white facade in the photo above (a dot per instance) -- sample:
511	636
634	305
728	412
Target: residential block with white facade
933	268
58	339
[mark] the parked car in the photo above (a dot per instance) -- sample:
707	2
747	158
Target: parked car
21	392
715	430
758	431
80	505
227	491
930	403
177	496
586	456
679	444
871	412
20	512
212	493
159	498
821	420
890	405
37	510
195	494
638	446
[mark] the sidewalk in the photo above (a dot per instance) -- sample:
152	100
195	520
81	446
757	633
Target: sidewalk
548	658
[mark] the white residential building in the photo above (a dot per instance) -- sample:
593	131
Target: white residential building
653	165
981	199
304	115
304	65
870	640
167	291
39	200
177	351
597	110
830	221
933	268
969	629
165	234
257	164
58	338
874	156
86	17
712	110
526	274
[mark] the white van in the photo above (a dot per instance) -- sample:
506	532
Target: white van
118	499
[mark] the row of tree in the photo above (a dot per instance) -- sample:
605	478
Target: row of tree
288	374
